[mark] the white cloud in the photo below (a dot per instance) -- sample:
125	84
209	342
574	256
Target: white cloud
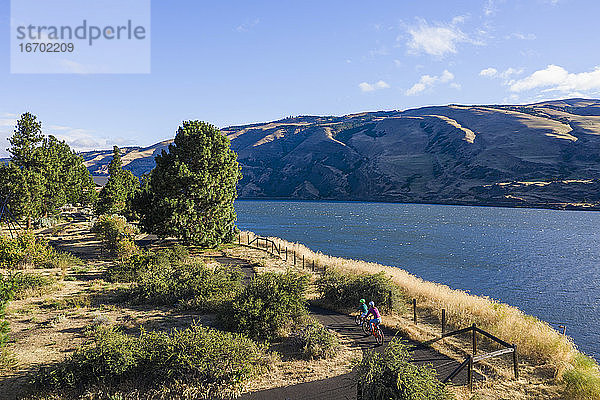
521	36
437	40
489	72
78	139
446	76
507	74
428	81
489	8
370	87
556	78
246	26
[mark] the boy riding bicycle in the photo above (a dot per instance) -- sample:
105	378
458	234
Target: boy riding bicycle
363	309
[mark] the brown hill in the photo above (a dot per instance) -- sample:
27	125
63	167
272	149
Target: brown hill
545	155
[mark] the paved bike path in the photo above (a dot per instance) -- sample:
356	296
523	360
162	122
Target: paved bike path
343	386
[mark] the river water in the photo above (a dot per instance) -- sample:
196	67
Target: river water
545	262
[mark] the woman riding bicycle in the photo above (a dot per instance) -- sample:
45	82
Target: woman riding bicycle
375	313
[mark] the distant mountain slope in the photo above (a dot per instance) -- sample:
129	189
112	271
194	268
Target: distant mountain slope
545	154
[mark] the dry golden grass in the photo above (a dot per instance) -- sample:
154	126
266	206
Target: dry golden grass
536	340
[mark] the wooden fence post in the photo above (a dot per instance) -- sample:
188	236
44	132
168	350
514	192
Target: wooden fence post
313	267
389	301
286	254
515	361
415	311
294	258
470	373
443	321
474	340
302	261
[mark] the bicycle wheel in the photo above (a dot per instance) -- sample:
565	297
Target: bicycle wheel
357	320
379	336
366	328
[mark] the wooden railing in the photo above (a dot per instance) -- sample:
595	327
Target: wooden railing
268	245
474	358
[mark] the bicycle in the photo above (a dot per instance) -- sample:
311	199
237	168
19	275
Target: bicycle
359	319
369	329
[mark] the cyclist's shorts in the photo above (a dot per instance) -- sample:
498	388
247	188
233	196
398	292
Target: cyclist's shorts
376	321
362	315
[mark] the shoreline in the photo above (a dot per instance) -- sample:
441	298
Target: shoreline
562	207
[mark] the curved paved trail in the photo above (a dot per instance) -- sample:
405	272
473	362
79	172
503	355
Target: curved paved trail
343	386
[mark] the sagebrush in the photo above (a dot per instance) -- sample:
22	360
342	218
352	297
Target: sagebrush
391	376
220	362
268	307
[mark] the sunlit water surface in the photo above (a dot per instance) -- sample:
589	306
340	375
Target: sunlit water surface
545	262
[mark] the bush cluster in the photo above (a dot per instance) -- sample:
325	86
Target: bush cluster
344	290
190	283
268	307
221	362
391	376
27	251
315	341
129	269
21	285
116	234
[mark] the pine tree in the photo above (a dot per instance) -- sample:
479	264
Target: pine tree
43	174
116	196
25	139
191	191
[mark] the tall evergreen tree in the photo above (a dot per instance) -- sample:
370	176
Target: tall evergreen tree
25	140
43	174
117	195
191	190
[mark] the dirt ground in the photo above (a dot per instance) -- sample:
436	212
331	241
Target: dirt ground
46	328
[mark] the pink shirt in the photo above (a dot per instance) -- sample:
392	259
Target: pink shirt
375	312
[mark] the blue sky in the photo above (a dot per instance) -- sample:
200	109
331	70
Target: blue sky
237	62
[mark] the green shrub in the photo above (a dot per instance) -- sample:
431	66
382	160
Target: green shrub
220	362
344	291
22	285
116	234
315	341
129	270
391	376
268	307
26	251
582	382
187	282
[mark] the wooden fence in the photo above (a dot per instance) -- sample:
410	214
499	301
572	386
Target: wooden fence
268	245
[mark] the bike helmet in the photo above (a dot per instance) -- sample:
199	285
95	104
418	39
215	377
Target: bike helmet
371	304
362	301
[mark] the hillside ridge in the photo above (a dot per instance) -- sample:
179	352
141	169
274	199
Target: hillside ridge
545	154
